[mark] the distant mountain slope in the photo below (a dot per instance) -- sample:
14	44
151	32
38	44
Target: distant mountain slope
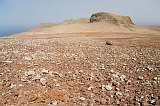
156	28
98	23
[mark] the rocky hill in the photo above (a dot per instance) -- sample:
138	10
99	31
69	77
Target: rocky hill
111	18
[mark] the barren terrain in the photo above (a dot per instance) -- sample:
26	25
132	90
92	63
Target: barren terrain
82	67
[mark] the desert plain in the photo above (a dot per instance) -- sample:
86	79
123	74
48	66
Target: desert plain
105	60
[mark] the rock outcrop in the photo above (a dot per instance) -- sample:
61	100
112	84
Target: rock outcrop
111	18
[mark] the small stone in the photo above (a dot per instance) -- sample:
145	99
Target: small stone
92	95
59	74
54	103
140	78
20	85
37	77
122	77
55	80
155	78
103	101
44	71
126	94
81	83
24	79
149	68
115	83
57	85
27	58
12	86
102	67
80	71
112	71
128	82
103	87
119	93
117	102
117	89
90	88
134	59
31	73
92	76
111	96
26	74
7	84
8	61
114	76
69	72
82	98
152	101
43	81
108	87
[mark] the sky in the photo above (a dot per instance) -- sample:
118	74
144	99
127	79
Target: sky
21	15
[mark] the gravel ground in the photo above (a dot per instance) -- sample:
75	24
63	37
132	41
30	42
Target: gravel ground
80	71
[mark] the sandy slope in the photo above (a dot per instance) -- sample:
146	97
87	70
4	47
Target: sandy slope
82	26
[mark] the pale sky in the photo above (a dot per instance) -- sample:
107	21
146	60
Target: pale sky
21	15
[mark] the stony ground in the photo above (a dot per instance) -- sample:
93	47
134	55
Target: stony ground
106	70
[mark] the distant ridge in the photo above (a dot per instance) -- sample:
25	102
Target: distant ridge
43	25
102	22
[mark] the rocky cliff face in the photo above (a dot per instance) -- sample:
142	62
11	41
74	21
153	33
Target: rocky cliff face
111	18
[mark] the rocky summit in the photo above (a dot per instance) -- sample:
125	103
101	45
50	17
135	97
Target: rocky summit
82	63
111	18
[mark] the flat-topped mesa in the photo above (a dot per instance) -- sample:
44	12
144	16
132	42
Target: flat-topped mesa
111	18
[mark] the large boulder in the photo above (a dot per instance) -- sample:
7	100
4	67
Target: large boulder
111	18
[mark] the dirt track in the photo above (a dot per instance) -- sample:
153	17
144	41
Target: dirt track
80	70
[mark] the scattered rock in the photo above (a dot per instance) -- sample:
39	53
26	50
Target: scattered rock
8	61
102	67
153	101
108	43
103	87
54	103
103	101
20	85
29	73
24	78
108	87
90	88
44	71
149	68
82	98
37	77
140	78
12	86
57	85
59	74
155	78
27	58
91	74
43	81
119	93
112	71
122	77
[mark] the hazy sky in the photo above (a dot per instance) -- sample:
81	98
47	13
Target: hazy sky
21	15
